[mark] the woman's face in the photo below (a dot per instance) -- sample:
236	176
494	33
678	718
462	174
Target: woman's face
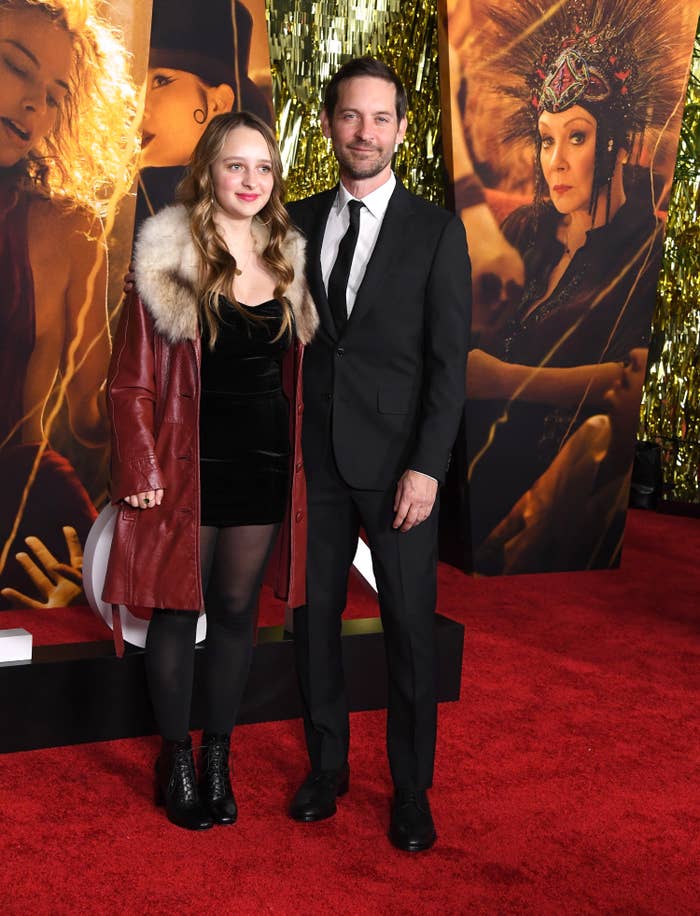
174	117
567	157
35	61
242	174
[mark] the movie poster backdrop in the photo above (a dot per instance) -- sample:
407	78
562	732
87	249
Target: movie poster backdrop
200	64
84	125
563	125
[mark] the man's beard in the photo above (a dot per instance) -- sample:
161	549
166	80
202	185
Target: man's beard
358	171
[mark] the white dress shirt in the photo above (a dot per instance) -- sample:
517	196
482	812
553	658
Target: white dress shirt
371	218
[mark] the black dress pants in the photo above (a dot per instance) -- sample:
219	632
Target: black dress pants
405	567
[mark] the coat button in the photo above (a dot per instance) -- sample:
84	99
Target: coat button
299	465
299	516
340	351
300	409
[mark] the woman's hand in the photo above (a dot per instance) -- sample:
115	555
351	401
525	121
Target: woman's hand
146	500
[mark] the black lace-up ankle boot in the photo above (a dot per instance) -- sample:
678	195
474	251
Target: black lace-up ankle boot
176	786
215	778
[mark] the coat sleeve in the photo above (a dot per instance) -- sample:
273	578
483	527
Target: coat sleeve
448	300
131	396
286	571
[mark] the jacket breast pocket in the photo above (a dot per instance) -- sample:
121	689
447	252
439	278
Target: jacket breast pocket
394	400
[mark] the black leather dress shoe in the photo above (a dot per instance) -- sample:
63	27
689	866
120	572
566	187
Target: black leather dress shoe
315	799
412	828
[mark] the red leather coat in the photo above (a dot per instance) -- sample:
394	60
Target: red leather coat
153	395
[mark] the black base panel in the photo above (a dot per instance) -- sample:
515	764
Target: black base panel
78	692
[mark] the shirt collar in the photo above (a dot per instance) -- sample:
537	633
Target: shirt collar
376	202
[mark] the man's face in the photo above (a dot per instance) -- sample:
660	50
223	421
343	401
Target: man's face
364	128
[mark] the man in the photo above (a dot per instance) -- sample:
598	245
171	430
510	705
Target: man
383	392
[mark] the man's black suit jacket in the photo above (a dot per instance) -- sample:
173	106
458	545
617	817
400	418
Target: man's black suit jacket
390	390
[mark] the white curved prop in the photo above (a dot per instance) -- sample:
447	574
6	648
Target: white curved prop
95	557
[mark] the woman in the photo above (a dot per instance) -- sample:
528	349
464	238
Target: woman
67	141
590	242
201	442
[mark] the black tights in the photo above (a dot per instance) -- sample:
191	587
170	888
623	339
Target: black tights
233	561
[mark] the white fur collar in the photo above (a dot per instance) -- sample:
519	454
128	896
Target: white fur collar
166	266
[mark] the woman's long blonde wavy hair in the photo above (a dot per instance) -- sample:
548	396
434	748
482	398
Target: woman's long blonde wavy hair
196	192
92	151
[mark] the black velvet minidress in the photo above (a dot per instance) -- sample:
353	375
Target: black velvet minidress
244	421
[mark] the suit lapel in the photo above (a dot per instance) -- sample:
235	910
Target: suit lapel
389	247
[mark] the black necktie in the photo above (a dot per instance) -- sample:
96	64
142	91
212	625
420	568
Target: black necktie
338	280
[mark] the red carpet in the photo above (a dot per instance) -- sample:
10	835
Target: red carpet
567	776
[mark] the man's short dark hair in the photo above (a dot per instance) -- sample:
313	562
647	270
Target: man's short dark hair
364	66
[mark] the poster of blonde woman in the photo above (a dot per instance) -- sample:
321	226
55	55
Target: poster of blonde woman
101	105
564	120
68	148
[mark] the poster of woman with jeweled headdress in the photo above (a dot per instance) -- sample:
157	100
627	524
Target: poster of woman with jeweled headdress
563	124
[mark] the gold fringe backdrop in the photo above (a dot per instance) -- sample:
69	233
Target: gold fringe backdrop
671	405
310	40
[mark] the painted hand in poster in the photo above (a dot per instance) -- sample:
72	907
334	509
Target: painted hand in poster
58	584
564	124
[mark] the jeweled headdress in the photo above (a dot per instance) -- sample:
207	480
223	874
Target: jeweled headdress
616	58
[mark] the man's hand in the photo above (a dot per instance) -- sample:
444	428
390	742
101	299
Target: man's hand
414	500
58	583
